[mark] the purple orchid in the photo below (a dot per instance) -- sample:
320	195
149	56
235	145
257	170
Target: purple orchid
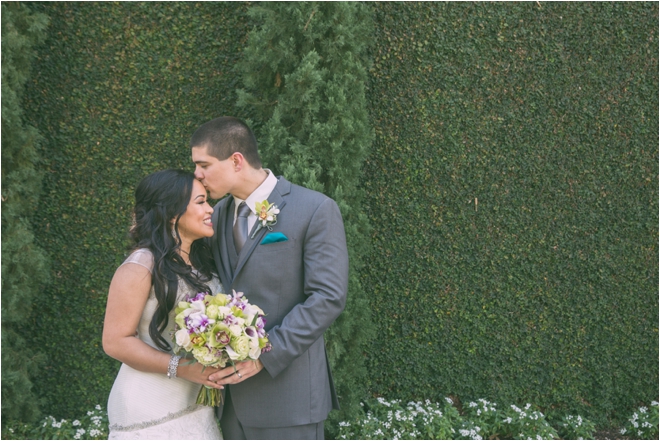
199	296
196	323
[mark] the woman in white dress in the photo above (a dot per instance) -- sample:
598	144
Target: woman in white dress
154	395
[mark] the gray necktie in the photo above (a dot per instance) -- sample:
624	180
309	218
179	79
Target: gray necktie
241	226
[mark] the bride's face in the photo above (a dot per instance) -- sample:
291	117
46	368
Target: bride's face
196	221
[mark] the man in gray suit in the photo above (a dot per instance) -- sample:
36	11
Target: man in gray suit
295	268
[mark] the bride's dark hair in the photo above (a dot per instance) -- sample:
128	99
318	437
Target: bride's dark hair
160	198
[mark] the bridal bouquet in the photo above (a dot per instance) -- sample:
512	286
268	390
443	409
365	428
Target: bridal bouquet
219	330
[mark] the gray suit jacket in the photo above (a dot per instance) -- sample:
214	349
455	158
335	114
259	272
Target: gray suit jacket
301	285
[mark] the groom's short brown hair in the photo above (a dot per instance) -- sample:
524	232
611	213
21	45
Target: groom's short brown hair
226	135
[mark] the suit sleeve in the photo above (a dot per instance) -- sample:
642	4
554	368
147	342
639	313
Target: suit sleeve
325	285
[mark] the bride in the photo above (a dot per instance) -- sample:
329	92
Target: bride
154	395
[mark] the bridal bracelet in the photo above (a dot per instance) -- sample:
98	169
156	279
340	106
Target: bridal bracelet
172	366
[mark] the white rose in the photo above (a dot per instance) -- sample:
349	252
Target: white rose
254	348
241	346
236	330
183	339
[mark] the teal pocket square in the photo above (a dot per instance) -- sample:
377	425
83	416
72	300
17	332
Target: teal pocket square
274	237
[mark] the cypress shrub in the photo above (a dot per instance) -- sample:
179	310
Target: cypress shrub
24	264
304	72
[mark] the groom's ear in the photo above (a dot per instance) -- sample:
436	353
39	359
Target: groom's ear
238	161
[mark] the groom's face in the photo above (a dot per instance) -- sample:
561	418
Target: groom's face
214	174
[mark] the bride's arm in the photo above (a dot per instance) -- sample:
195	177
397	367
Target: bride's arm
127	297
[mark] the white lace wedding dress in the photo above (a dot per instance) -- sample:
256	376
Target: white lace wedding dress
146	405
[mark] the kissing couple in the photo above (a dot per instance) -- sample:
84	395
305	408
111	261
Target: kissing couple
293	265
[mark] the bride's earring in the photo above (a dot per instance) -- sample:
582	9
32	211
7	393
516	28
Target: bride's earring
174	232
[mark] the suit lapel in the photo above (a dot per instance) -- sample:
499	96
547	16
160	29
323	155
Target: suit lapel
276	197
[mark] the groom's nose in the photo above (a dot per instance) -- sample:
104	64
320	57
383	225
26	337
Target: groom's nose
198	173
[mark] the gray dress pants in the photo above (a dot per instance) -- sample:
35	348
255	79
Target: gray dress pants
233	429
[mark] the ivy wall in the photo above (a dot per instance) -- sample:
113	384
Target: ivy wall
513	187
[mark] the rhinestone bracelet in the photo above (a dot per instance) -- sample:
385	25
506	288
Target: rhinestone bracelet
172	366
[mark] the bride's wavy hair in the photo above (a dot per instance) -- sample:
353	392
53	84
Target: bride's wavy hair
160	198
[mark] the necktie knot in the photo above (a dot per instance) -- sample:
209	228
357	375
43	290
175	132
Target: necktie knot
243	210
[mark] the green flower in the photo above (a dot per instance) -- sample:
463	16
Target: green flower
220	335
267	216
212	312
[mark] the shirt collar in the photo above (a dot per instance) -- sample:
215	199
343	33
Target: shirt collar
260	194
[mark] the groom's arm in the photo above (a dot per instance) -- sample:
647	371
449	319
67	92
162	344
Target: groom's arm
325	263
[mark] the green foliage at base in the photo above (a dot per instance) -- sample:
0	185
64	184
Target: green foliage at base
118	90
93	425
514	186
24	264
382	419
481	419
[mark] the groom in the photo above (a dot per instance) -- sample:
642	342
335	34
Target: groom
295	269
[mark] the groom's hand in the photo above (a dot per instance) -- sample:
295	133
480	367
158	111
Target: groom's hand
238	373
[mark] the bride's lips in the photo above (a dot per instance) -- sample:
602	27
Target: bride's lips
208	222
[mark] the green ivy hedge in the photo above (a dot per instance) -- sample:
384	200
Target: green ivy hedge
118	90
513	190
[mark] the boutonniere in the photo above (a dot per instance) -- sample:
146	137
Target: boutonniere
266	216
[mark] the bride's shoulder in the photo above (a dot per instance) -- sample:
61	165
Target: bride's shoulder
143	257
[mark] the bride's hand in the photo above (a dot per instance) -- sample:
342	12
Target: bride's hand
197	373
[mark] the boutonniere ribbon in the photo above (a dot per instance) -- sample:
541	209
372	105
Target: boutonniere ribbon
266	216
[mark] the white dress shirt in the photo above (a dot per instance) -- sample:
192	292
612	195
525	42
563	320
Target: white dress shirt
259	195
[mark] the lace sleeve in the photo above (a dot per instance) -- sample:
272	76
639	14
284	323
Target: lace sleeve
142	257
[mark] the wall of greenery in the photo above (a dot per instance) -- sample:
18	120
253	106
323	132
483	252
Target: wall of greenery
117	90
512	188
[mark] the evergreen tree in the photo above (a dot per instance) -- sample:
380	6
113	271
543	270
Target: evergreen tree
304	73
24	265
